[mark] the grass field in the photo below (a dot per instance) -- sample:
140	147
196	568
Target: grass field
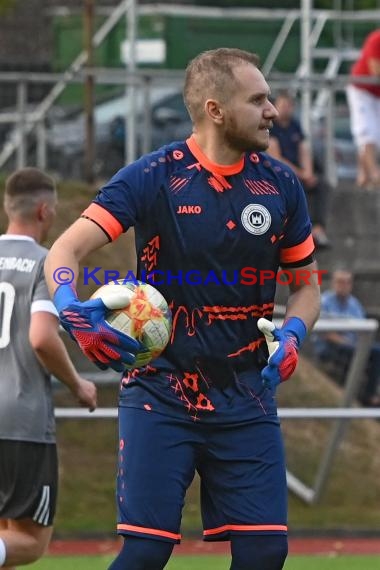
214	563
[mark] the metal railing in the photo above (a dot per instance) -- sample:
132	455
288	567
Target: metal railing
312	25
24	120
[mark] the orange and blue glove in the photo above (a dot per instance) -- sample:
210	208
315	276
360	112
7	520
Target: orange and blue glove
283	346
85	322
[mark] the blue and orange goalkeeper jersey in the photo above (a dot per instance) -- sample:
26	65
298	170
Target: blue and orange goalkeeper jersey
214	237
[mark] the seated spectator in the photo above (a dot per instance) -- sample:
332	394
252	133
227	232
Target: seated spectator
287	143
338	347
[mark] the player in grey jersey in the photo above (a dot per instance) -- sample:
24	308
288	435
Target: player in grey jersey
30	350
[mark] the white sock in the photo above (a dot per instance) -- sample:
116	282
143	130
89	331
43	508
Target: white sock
3	552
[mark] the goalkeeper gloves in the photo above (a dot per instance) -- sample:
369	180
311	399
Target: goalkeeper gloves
85	322
283	345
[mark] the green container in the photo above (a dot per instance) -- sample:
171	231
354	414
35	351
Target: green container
185	37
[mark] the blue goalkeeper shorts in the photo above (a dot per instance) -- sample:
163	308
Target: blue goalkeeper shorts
242	471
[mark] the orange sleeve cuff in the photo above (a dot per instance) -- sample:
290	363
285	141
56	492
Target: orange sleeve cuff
297	252
104	219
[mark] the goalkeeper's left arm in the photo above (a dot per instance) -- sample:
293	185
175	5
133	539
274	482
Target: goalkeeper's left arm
284	343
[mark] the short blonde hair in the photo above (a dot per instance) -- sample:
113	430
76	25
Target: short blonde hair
211	75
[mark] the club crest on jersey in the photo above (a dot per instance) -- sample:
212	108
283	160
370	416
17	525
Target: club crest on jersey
189	210
256	219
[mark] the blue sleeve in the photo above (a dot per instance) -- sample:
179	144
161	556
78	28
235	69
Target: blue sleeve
325	303
297	243
130	193
357	308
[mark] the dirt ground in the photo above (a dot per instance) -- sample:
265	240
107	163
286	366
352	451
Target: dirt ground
325	546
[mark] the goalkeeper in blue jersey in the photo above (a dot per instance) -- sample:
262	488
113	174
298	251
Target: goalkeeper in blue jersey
215	204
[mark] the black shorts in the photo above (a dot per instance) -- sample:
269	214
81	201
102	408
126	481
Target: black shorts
28	481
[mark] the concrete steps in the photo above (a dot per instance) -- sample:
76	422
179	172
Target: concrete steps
354	228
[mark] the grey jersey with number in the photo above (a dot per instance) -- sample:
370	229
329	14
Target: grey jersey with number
26	407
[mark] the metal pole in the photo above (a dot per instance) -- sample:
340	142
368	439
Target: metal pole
306	63
354	377
22	130
130	131
41	145
89	150
279	43
147	119
330	166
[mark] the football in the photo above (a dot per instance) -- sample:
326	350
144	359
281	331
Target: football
147	318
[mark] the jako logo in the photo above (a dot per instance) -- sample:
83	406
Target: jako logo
189	210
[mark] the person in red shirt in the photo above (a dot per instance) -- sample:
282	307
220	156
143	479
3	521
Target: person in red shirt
364	102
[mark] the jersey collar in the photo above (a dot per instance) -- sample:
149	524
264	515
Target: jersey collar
16	237
222	169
